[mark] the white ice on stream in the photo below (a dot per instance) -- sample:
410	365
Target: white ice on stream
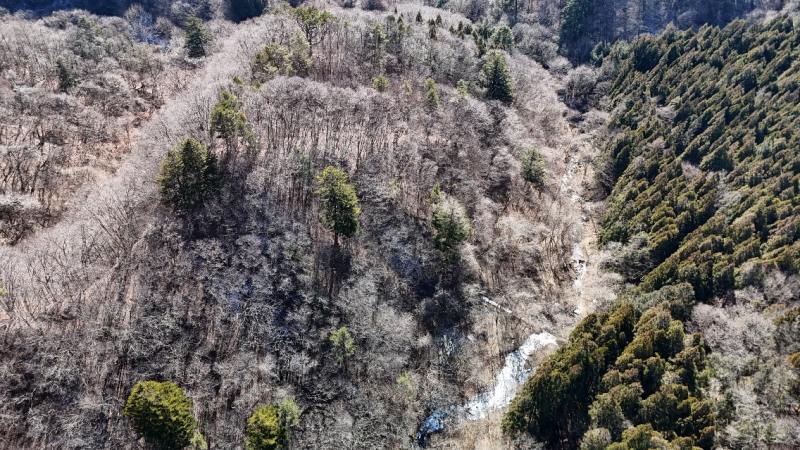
506	383
509	379
514	372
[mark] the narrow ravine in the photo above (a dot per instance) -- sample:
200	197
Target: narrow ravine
506	383
515	370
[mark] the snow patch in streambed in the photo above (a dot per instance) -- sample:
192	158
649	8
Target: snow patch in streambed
505	387
509	379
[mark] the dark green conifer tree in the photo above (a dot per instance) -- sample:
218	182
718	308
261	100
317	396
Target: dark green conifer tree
197	38
338	202
161	413
496	77
270	426
188	177
66	77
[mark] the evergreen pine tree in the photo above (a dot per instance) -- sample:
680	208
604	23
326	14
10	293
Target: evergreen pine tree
339	203
497	77
313	22
533	168
432	29
274	59
197	38
188	176
431	94
66	77
270	426
162	414
451	226
344	346
380	83
228	121
502	39
375	46
462	88
480	44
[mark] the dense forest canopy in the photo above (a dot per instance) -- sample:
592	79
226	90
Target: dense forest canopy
705	160
704	175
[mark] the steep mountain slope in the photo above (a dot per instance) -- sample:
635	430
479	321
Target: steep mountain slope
705	178
709	171
70	111
237	302
722	133
191	236
586	23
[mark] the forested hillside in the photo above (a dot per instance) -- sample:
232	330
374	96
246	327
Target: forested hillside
705	161
586	23
704	171
67	113
239	224
313	218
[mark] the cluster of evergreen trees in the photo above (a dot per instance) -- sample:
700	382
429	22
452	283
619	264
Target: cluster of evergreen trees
705	162
627	375
492	44
656	382
705	181
162	414
553	404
